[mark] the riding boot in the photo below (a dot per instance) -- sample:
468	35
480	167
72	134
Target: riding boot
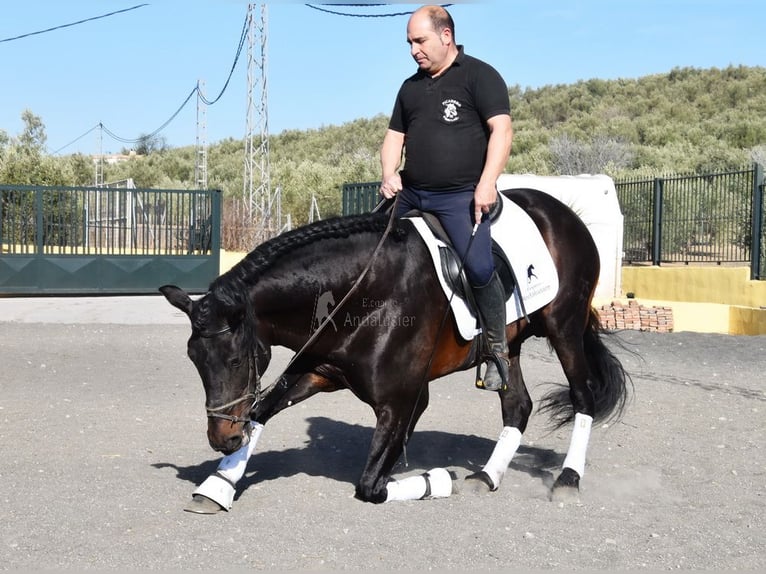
490	299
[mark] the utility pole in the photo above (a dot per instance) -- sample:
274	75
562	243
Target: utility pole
256	194
99	167
200	164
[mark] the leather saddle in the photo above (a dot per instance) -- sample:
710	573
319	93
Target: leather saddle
450	260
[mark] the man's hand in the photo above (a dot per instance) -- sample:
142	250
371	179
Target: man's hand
391	185
484	197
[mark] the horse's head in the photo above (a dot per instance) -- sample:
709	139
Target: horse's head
229	358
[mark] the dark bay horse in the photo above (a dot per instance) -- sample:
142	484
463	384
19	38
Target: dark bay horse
389	339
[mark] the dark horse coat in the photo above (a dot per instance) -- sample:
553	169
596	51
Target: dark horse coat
389	338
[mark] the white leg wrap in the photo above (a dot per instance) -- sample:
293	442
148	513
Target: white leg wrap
220	486
507	445
436	483
579	443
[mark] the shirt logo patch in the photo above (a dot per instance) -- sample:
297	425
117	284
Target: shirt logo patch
450	111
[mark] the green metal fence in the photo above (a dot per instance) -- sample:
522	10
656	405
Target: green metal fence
713	218
107	240
360	197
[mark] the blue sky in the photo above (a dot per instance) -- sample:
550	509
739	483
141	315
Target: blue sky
131	71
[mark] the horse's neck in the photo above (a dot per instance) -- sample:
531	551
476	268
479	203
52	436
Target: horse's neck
294	307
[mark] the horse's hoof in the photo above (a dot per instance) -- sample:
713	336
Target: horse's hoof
480	482
203	505
567	487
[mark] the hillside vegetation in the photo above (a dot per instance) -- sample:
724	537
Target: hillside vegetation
685	121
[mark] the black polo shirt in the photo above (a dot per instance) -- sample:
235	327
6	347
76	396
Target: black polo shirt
444	122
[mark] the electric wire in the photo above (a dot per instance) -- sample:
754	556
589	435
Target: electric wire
196	89
242	38
75	140
72	23
336	13
155	132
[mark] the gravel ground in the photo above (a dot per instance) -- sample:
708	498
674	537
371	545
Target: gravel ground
102	441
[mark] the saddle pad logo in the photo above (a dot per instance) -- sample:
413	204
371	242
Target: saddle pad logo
531	274
450	110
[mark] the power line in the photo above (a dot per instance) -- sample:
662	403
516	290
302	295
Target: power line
196	90
336	13
242	38
75	140
73	23
155	132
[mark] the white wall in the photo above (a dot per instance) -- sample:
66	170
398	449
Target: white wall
594	199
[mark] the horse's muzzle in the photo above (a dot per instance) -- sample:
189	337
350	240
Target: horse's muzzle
224	436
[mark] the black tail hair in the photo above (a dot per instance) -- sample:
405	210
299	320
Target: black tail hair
607	379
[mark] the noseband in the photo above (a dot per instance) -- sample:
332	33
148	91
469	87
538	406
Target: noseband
254	395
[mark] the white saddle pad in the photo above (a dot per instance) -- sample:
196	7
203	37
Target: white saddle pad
536	275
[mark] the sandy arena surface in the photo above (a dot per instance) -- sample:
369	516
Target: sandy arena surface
102	441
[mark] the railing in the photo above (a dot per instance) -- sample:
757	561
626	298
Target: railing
713	218
92	220
100	239
360	197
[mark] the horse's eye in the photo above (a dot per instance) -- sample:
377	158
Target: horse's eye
235	363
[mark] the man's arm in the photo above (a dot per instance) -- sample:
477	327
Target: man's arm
498	151
390	160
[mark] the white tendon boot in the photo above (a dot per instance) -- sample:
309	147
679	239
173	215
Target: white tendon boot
220	486
436	483
578	444
507	445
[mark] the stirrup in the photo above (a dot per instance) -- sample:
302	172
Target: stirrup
481	383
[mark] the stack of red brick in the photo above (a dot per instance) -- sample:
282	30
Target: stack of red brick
616	316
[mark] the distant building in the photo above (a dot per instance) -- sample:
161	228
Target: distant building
114	158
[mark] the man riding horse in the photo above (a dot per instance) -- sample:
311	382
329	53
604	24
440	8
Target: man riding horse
453	118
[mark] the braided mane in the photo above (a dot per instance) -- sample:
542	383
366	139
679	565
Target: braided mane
231	288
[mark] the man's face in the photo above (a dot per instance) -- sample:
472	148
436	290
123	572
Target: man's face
429	48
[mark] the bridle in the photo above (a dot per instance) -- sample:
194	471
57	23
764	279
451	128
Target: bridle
252	392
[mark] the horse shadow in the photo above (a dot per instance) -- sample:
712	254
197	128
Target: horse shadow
337	450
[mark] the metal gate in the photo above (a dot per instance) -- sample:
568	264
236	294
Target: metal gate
67	240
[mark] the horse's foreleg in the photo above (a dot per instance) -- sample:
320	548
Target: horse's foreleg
291	389
395	424
217	491
516	408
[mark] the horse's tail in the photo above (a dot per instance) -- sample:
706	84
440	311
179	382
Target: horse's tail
608	380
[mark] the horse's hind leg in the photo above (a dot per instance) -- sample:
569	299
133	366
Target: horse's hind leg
571	354
516	407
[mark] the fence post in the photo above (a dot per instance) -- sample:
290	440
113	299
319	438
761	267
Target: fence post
215	228
39	222
756	240
657	221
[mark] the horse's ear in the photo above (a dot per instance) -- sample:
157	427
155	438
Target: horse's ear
178	298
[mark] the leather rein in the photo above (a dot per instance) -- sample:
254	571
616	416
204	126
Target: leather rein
253	391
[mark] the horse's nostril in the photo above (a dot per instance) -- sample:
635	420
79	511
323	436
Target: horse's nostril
235	442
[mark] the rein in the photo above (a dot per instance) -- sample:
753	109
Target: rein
215	412
315	335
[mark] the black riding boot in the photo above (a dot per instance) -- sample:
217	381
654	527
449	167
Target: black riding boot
490	299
